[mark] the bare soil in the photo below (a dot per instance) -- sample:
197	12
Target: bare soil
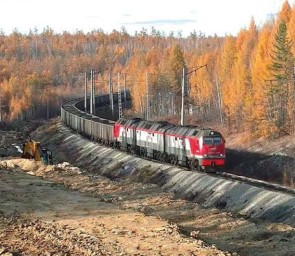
47	217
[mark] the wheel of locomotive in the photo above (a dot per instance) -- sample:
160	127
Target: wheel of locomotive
172	159
133	150
117	145
157	155
167	158
142	152
137	150
194	164
176	160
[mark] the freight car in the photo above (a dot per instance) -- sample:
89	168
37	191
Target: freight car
195	147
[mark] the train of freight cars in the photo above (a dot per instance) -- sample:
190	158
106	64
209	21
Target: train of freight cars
191	146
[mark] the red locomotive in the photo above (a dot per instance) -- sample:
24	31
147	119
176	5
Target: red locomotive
198	148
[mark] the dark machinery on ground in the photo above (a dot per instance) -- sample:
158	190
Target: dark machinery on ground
191	146
33	150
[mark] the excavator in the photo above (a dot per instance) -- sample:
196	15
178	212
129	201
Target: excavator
33	150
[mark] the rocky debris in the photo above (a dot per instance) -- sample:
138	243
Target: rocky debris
7	164
23	236
65	166
194	234
33	167
5	252
3	165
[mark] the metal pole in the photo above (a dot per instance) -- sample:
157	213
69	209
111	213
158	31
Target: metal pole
111	93
85	93
147	97
119	97
182	98
0	108
125	88
91	92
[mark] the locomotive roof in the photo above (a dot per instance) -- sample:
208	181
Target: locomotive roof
128	121
152	125
163	126
184	130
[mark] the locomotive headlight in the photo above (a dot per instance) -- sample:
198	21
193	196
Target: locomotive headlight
221	154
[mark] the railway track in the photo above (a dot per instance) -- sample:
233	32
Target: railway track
75	118
258	183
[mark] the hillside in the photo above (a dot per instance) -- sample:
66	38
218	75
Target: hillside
270	160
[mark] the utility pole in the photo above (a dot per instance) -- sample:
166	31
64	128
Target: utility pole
85	93
0	108
147	97
182	98
125	97
119	97
111	93
93	93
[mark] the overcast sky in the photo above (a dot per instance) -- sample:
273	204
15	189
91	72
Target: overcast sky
208	16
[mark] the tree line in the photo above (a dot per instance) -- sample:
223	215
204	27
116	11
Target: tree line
247	83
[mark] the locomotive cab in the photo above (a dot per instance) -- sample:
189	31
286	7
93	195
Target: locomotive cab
212	148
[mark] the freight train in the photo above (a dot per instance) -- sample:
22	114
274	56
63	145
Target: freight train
191	146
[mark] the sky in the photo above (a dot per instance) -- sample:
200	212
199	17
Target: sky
220	17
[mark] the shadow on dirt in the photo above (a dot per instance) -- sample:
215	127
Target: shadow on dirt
275	168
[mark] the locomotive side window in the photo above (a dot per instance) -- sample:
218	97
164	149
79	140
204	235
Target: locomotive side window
212	141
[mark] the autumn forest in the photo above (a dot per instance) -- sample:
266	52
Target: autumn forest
245	82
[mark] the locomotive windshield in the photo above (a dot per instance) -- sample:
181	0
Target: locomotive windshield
212	140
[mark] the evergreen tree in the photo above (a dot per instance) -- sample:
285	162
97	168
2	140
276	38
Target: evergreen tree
281	91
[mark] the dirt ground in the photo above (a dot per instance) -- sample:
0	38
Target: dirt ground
64	210
50	217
